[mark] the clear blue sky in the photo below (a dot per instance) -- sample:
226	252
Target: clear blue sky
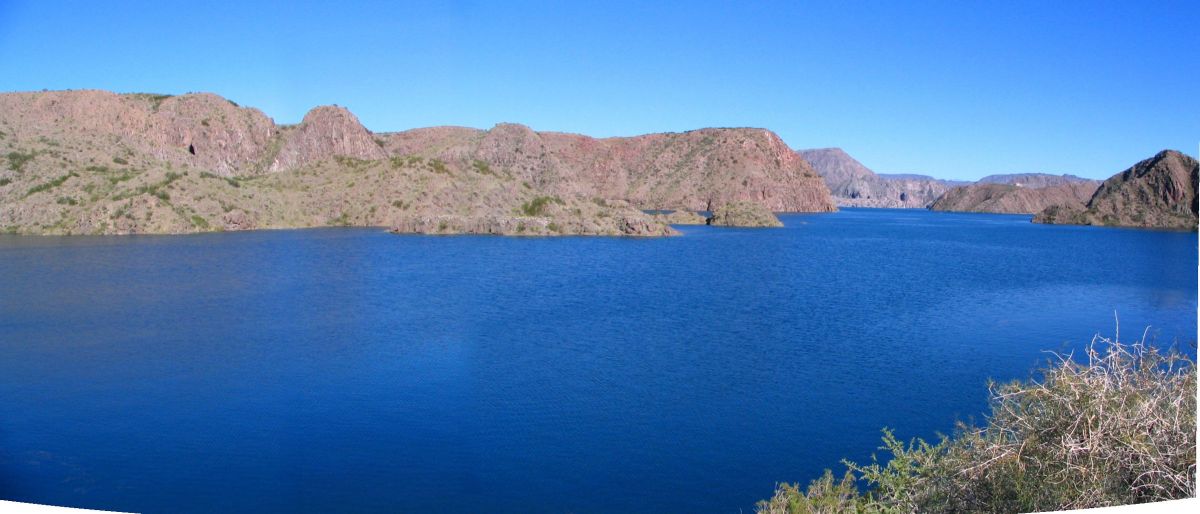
951	89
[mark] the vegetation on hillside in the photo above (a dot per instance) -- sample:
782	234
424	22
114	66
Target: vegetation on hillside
1117	428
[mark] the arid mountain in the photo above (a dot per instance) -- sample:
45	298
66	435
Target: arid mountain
99	162
1032	179
698	169
854	185
1159	192
1012	199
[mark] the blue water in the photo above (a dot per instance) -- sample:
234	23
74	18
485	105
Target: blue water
354	370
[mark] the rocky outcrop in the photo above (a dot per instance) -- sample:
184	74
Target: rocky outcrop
696	169
326	132
1012	199
1159	192
855	185
743	214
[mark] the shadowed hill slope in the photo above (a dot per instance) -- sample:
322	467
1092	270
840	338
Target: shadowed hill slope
1159	192
1012	199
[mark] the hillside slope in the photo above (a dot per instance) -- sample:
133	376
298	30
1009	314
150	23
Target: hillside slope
699	169
1011	199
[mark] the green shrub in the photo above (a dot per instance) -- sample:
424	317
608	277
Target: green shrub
118	160
537	206
50	185
1116	429
5	181
228	180
438	166
350	162
17	160
199	222
482	167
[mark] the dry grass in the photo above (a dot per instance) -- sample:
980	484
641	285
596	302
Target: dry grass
1116	426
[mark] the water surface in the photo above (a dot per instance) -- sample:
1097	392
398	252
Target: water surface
354	370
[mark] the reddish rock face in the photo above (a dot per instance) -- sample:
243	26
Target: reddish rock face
326	132
223	138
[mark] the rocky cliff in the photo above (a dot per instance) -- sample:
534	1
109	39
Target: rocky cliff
697	169
855	185
1159	192
1012	199
324	132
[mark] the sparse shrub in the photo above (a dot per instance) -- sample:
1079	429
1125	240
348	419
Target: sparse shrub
118	160
5	181
438	166
229	180
199	222
482	167
50	185
17	160
350	162
537	206
1115	429
66	200
155	99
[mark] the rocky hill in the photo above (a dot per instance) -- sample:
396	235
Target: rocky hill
1013	199
742	213
855	185
697	170
1159	192
102	163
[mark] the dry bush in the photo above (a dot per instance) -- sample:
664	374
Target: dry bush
1115	428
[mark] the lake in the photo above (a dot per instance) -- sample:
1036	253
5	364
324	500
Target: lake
350	369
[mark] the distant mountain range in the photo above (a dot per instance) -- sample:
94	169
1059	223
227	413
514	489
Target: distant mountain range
855	185
1033	179
1157	192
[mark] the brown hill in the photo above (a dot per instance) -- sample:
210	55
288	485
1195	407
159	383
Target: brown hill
698	169
1159	192
855	185
1011	199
